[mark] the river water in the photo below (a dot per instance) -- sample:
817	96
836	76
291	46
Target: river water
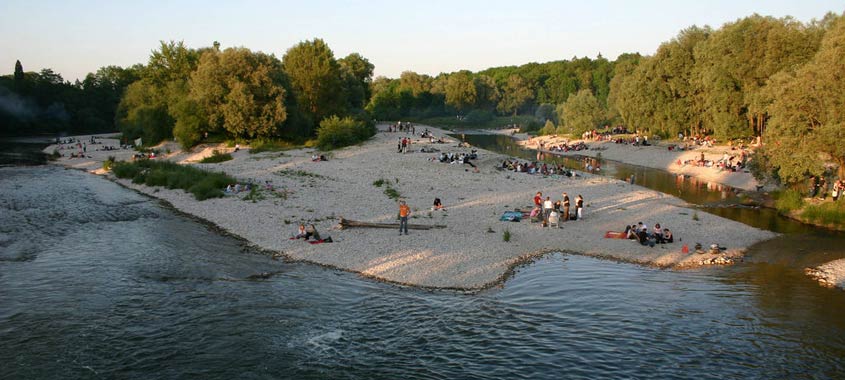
98	282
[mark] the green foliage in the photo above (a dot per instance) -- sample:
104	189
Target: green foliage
506	235
516	93
695	216
107	164
238	91
216	157
825	213
315	79
461	92
389	190
254	195
582	112
788	200
548	129
267	145
202	184
335	132
807	125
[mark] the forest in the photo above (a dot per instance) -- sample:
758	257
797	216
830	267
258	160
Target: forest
774	78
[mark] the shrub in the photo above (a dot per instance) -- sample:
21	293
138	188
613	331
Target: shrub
335	132
216	157
107	164
789	200
202	184
548	129
506	236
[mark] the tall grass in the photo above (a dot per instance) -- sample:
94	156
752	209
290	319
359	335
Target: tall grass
789	200
202	184
825	213
216	157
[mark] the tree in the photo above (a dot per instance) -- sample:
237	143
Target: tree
356	75
516	93
237	91
807	125
582	112
735	63
548	129
460	90
315	79
18	74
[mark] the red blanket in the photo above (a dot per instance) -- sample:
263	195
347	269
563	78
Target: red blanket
614	235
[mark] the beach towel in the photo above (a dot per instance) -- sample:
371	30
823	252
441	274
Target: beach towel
614	235
321	241
511	216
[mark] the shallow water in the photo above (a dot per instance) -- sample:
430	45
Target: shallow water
99	282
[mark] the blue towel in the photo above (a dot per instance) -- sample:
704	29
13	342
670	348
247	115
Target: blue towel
511	216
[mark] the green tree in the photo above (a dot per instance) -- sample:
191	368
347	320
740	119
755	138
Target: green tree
735	63
461	92
238	91
314	76
807	126
516	94
548	129
356	75
582	112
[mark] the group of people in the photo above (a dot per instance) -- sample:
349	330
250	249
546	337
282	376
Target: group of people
402	127
819	186
728	162
552	213
534	167
565	147
641	233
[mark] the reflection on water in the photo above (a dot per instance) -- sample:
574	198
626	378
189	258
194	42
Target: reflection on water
99	282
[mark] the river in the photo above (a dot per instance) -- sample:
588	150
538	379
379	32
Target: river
99	282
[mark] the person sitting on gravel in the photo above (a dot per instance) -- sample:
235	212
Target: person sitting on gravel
300	233
437	205
667	236
311	231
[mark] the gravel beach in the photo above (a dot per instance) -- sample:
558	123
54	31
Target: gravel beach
470	253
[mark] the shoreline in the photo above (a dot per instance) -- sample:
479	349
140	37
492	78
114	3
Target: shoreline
656	157
464	257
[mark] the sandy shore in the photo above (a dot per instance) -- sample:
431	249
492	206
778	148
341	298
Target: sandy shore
659	157
466	255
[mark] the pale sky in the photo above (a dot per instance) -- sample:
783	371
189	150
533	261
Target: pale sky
74	37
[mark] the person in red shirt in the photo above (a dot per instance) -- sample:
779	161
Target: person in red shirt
538	200
404	211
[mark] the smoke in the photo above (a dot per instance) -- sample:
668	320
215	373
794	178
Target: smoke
16	106
25	109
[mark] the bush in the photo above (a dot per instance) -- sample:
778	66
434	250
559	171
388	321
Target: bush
335	132
548	129
216	157
506	235
202	184
107	164
789	200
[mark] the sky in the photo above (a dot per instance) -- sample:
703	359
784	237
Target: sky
75	37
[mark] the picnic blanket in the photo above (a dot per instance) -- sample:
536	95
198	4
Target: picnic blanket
614	235
511	216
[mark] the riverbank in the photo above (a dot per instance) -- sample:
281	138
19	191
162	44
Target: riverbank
658	157
470	253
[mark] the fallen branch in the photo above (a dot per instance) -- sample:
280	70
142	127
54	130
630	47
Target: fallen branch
346	223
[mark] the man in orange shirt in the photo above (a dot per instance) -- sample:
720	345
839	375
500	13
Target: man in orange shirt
404	211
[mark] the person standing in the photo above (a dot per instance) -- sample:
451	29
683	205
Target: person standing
538	200
565	207
579	206
547	209
404	211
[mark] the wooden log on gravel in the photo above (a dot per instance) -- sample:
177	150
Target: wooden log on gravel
346	223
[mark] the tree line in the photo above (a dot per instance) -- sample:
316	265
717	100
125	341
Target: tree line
773	78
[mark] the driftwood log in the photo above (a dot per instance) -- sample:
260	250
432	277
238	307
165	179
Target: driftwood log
346	223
